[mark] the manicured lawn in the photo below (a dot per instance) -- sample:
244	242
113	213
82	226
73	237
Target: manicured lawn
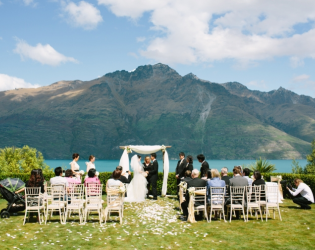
154	225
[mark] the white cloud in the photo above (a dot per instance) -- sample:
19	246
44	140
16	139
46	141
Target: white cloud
83	14
206	31
10	82
28	2
141	39
301	78
44	54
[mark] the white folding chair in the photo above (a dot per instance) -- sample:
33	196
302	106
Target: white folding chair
272	201
200	201
93	200
253	198
76	201
237	200
57	203
33	202
115	203
217	200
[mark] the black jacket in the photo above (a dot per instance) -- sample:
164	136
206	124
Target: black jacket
204	168
180	168
196	182
188	166
153	173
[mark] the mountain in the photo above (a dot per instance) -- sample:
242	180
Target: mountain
155	105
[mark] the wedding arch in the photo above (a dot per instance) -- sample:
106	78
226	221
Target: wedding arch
124	160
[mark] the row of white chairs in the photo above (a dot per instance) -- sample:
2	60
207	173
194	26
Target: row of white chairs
252	198
75	198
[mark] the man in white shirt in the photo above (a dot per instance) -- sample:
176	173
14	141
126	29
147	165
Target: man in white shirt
58	179
246	173
306	195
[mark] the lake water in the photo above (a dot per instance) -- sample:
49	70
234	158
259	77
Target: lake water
282	166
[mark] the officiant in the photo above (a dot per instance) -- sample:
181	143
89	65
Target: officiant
147	166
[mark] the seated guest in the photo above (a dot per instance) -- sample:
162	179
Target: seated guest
246	173
122	178
304	194
70	179
258	180
92	178
224	176
58	179
237	180
215	181
36	180
240	168
187	176
114	182
209	174
195	182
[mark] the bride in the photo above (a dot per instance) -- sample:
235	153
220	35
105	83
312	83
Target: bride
137	189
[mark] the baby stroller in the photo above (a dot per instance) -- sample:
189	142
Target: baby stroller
16	202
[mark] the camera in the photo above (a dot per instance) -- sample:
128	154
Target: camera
286	183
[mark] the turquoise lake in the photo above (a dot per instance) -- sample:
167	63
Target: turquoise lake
282	166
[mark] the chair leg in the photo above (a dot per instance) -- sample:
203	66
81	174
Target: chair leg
244	214
247	214
231	213
210	214
223	213
279	213
267	213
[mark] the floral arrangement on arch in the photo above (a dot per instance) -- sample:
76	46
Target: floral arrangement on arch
128	150
163	148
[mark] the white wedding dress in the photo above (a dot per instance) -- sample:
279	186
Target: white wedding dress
137	189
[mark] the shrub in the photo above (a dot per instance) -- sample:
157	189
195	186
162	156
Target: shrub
263	166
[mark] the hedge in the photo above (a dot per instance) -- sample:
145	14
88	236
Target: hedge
171	182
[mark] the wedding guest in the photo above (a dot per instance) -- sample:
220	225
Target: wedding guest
246	173
180	169
195	182
122	177
90	164
209	174
237	180
147	167
114	182
36	180
224	176
153	175
70	179
240	168
258	180
215	181
74	165
204	166
58	179
187	176
92	178
189	165
304	194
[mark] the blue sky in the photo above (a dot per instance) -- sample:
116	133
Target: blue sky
261	44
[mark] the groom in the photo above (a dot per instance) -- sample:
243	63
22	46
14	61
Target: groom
153	175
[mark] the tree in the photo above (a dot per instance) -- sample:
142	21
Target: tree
310	167
22	160
263	166
296	168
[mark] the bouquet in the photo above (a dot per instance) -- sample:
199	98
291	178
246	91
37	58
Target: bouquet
144	174
97	173
81	172
122	189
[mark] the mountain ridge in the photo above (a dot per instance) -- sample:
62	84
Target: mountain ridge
155	105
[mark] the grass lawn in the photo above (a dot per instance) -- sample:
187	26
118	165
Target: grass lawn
154	225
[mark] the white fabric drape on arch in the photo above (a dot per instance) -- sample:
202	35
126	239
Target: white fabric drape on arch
124	160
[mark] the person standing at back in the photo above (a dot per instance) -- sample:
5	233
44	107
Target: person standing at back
180	173
204	166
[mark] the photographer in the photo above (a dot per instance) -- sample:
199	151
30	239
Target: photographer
306	195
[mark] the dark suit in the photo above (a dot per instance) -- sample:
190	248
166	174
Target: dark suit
187	179
179	171
204	169
123	179
153	177
196	182
226	179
